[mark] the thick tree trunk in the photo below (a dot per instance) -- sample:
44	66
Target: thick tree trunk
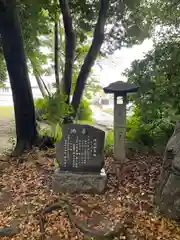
14	54
56	55
91	56
70	47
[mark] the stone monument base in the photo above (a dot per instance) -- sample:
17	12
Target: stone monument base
79	182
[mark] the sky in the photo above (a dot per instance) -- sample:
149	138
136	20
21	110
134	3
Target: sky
112	67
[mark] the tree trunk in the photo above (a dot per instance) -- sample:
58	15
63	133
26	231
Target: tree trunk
91	56
56	55
69	49
61	49
14	54
45	86
40	85
38	78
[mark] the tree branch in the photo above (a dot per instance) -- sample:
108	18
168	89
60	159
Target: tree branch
70	47
77	56
91	56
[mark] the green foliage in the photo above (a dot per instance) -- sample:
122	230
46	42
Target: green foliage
151	135
56	164
125	19
54	109
85	112
164	19
137	131
92	86
158	77
162	12
3	71
109	141
157	74
36	26
54	130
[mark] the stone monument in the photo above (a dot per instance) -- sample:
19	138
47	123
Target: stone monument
168	192
120	89
80	157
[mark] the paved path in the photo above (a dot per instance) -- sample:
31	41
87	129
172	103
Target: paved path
104	120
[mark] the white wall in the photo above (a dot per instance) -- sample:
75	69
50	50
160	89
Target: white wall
6	95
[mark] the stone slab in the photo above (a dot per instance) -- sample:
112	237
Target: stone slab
79	182
168	191
80	148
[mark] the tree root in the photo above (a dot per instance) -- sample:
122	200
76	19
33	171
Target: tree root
67	207
20	147
9	231
42	143
45	142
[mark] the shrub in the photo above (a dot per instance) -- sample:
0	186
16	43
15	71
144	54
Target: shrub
109	141
54	110
138	132
154	133
85	112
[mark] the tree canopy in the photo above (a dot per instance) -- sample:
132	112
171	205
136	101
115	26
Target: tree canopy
124	24
157	103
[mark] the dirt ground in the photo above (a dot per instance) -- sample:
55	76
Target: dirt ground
126	206
7	131
25	190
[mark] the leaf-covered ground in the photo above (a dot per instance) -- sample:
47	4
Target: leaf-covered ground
128	201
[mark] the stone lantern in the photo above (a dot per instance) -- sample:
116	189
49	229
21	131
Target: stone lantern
120	89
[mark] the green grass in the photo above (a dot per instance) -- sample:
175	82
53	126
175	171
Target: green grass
6	112
108	110
86	122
